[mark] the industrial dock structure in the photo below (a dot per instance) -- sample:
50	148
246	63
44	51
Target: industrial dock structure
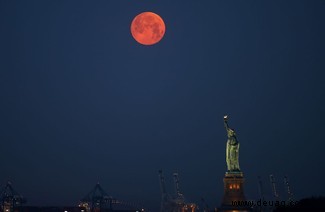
97	200
176	202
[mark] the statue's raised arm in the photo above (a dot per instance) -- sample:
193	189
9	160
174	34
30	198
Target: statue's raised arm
225	120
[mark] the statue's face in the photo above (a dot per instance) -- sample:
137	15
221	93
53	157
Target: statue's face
231	132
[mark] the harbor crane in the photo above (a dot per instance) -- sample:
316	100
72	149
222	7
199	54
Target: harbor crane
288	188
275	193
174	203
11	200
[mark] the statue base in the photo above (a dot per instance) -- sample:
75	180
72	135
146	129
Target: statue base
233	197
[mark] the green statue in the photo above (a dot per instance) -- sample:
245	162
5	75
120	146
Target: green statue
232	151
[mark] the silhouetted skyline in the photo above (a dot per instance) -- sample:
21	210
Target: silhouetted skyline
82	102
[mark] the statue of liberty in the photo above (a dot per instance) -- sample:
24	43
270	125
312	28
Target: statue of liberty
232	151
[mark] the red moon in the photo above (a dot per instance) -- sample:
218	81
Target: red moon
148	28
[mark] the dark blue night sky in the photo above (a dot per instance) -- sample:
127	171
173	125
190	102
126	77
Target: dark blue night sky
82	102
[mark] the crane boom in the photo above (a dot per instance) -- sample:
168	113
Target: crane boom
162	183
286	183
176	180
275	193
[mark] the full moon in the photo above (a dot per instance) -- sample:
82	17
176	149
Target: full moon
148	28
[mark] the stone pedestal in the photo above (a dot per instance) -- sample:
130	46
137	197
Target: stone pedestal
233	197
